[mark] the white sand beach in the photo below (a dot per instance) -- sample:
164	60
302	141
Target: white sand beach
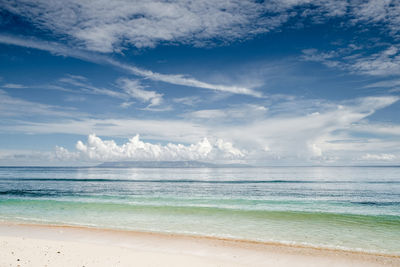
36	245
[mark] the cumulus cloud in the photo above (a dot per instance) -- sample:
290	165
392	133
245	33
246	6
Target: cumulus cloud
327	132
228	150
97	149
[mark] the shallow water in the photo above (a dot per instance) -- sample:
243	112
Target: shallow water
354	208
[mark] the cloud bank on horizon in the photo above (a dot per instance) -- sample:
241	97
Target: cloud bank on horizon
136	149
294	82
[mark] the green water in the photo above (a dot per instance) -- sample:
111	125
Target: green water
361	213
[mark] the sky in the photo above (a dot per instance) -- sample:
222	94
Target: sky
265	83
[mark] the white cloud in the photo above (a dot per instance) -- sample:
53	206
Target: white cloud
378	157
316	150
301	137
126	104
386	83
154	129
16	107
328	132
107	26
75	99
208	114
228	149
84	86
21	157
13	86
327	58
131	89
136	90
233	113
177	79
188	100
378	11
378	129
97	149
385	62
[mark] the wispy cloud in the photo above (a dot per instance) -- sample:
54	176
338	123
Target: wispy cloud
130	89
13	86
188	100
126	104
84	86
235	113
136	90
21	157
177	79
385	84
12	107
385	62
325	135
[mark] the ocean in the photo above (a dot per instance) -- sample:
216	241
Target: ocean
351	208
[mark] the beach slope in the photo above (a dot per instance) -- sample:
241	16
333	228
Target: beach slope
36	245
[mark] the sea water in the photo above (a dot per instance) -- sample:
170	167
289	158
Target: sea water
354	208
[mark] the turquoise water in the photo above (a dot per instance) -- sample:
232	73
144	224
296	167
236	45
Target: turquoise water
355	208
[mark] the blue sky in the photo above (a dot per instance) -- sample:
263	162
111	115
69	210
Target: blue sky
290	82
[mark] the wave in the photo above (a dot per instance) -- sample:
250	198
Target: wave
368	231
37	193
376	203
85	196
170	208
106	180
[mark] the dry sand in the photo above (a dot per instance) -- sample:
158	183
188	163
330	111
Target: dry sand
35	245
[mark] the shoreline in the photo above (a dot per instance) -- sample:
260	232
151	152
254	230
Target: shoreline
198	248
199	237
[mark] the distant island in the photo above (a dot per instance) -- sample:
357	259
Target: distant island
167	164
